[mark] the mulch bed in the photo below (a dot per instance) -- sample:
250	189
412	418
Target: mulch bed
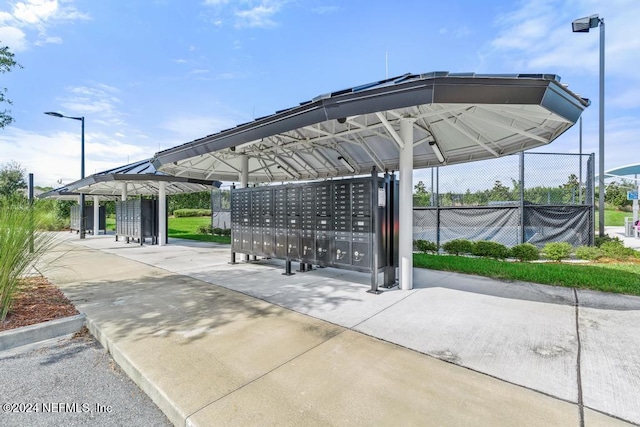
37	301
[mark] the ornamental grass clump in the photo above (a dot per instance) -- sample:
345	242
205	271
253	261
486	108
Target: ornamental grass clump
17	223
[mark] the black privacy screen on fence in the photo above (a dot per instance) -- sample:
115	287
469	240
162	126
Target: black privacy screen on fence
530	197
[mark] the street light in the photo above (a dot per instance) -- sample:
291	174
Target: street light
583	25
54	114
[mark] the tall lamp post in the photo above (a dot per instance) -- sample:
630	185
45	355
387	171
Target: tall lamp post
583	25
50	113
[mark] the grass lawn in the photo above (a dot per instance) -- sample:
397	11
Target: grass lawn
613	218
617	277
187	228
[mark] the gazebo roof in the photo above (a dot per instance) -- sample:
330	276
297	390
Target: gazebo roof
467	116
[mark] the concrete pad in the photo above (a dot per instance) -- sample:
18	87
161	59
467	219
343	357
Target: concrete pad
610	355
337	301
187	343
529	343
353	379
596	419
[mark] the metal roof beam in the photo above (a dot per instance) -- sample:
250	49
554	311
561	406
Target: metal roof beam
391	130
468	135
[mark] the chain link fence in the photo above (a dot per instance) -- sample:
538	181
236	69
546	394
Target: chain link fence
527	197
221	207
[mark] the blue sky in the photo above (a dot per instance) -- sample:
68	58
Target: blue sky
150	75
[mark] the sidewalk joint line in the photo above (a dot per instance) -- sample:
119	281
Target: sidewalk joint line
286	362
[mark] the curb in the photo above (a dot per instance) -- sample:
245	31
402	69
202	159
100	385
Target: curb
173	413
41	331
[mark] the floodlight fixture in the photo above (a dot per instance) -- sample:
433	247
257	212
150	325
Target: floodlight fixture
582	25
437	151
347	164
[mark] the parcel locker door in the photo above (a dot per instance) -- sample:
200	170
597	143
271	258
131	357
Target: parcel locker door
281	243
323	251
308	249
361	248
361	254
267	237
342	251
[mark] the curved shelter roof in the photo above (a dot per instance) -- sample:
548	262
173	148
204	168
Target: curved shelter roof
623	171
142	179
62	193
468	116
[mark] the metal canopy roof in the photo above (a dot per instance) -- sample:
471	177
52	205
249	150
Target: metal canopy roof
142	179
469	116
623	171
62	194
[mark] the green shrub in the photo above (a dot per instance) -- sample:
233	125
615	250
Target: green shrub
425	246
590	253
226	232
525	252
616	250
488	249
458	246
599	240
218	231
557	251
182	213
205	229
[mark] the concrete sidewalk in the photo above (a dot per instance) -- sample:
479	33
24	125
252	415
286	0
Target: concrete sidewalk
213	343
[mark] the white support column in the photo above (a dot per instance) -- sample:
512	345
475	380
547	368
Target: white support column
124	191
162	213
96	215
405	244
244	171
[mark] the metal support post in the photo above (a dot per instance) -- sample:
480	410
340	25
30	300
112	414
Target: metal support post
406	205
375	226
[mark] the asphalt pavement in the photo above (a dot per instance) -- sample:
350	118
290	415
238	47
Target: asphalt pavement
71	382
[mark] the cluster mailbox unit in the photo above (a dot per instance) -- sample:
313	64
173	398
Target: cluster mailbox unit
89	219
347	223
137	219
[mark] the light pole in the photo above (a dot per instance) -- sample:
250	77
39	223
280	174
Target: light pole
50	113
583	25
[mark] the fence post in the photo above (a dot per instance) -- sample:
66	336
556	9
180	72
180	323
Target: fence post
522	236
437	206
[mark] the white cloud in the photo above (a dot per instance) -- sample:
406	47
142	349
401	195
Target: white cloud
257	17
537	37
35	11
188	128
36	17
13	37
56	156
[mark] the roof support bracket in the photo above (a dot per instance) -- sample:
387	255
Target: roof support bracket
391	130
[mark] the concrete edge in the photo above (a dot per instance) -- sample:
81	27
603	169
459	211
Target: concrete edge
173	413
40	332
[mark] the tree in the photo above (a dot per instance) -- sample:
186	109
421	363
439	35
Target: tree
7	63
500	192
11	179
421	196
616	195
